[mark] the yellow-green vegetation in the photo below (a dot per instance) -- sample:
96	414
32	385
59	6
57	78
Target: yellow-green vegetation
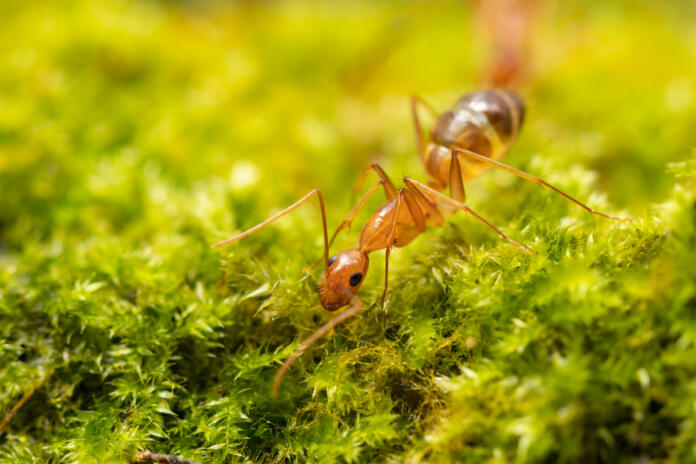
135	134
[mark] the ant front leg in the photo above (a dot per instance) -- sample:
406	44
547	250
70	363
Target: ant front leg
345	224
531	178
390	243
389	189
416	213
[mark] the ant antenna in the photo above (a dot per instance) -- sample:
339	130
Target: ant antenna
320	332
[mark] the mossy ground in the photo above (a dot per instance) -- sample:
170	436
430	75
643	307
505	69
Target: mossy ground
135	134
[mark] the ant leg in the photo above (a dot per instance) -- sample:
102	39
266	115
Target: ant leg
345	224
390	243
417	127
389	188
455	179
459	205
389	191
532	178
430	209
386	274
320	332
282	213
416	211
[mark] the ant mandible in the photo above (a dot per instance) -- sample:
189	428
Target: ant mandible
464	142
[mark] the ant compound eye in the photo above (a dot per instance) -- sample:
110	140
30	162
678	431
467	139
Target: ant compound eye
332	259
355	279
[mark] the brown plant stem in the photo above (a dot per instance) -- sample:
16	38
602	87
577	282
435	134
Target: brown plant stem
149	456
23	400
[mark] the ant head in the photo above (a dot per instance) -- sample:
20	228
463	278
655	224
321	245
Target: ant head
346	270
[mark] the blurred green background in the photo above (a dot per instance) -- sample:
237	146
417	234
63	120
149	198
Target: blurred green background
276	98
133	134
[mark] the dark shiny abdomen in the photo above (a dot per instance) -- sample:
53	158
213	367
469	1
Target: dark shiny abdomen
503	109
484	122
463	128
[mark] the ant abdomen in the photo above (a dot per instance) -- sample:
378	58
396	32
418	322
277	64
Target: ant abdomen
503	109
484	122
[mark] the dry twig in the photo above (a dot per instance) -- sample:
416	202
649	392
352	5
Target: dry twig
149	456
23	400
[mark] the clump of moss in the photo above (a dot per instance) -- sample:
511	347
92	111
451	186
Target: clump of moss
133	135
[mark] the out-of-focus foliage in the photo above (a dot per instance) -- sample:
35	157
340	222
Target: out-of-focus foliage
135	134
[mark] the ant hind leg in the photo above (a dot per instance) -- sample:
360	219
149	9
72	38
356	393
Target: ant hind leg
415	185
537	180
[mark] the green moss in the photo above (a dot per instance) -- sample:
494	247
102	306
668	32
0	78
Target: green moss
135	134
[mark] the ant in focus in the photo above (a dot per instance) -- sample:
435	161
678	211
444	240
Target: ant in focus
464	142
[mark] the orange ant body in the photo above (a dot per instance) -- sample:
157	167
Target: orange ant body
463	143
